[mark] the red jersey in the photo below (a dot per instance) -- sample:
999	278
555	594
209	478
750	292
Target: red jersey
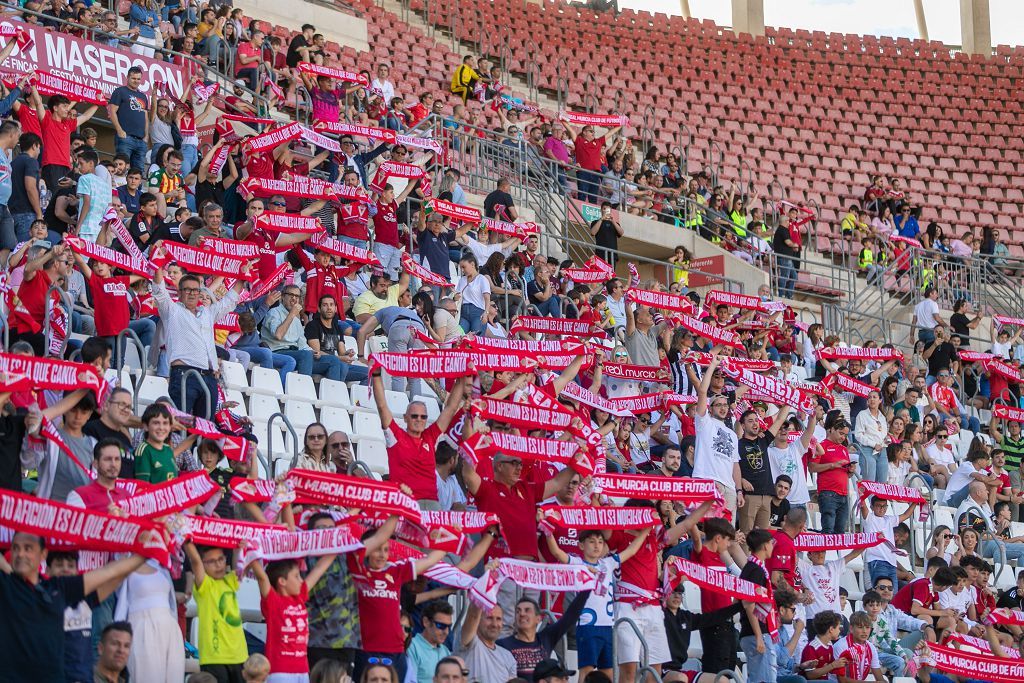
57	141
98	499
32	294
837	480
259	165
411	460
919	591
28	120
710	600
783	559
321	281
385	224
378	592
110	302
267	245
860	658
516	508
588	154
821	654
641	570
287	631
353	219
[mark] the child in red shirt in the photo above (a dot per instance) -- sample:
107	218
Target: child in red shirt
818	659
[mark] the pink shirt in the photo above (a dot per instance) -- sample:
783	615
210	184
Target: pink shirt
557	149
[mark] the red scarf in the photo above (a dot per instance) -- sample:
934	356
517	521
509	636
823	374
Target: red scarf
583	517
49	83
196	260
603	120
172	496
902	494
811	542
226	533
859	352
288	223
648	403
558	326
343	249
589	398
334	72
109	256
341	128
847	383
639	373
428	276
522	415
665	301
565	453
723	583
718	335
858	658
685	489
457	212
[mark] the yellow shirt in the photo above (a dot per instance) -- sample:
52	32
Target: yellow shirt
221	638
368	302
463	79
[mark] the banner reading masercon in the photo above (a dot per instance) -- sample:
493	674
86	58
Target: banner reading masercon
88	62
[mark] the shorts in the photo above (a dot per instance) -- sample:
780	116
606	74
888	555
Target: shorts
594	647
650	619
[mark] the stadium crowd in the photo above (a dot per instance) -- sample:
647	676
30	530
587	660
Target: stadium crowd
601	450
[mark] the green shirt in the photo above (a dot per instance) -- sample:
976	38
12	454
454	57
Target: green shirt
1014	449
155	465
221	638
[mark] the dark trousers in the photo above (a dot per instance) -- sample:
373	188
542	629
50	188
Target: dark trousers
52	174
195	399
224	673
720	647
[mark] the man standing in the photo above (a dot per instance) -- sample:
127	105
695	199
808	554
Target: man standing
32	621
755	637
716	455
189	339
499	203
755	468
113	424
926	315
10	130
128	108
114	648
833	466
411	458
606	232
589	150
24	203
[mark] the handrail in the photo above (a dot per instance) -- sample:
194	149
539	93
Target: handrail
644	649
291	431
202	384
360	466
914	476
119	343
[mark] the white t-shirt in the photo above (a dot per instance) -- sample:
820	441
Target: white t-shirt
716	450
481	252
959	601
883	525
823	583
941	456
1001	349
473	292
925	313
790	461
600	606
962	476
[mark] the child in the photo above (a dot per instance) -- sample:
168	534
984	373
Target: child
881	560
818	659
79	651
754	634
918	598
860	655
222	646
960	598
283	604
867	262
894	654
850	222
110	296
154	458
256	669
822	579
680	259
594	629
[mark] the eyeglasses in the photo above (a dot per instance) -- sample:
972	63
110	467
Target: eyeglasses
941	436
316	436
441	626
417	416
121	404
340	444
295	294
188	290
278	204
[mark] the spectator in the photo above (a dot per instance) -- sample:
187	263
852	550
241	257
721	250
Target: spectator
475	291
95	192
833	466
926	315
189	339
478	646
130	194
283	333
465	78
300	46
57	121
606	232
114	650
168	185
499	204
248	59
380	294
24	204
755	467
10	131
144	16
325	336
541	293
427	650
716	454
127	110
449	491
381	85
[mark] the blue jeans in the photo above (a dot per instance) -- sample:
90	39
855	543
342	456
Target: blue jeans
472	319
787	276
759	667
136	150
1014	551
835	509
878	569
195	400
552	307
266	358
875	464
587	184
956	497
23	223
927	336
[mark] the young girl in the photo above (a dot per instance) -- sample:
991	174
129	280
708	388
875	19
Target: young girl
155	459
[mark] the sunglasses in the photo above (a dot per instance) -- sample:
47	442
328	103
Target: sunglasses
941	436
317	436
417	416
883	588
386	661
278	204
340	444
441	626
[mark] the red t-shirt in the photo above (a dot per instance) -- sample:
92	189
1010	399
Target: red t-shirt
259	165
516	508
385	224
267	244
57	140
247	50
287	631
919	591
783	559
819	653
641	570
110	301
321	281
860	658
411	460
353	218
378	595
837	480
588	154
29	121
33	297
710	600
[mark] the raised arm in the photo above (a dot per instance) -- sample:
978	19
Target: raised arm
386	418
432	558
451	405
705	383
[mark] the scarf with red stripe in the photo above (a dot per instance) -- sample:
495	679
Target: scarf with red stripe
341	128
718	335
584	517
902	494
567	453
602	120
721	582
846	383
557	326
685	489
665	301
649	403
91	250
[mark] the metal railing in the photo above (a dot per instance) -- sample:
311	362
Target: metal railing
192	372
644	668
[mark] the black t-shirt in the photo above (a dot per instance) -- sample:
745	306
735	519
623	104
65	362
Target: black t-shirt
143	226
532	290
12	433
497	204
208	191
50	215
754	465
330	337
99	431
778	512
294	56
941	358
959	322
221	477
859	403
22	167
1013	598
751	572
606	236
32	625
779	245
168	232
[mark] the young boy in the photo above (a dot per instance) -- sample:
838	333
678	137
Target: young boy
822	579
594	628
754	637
79	651
860	654
222	646
718	639
283	603
894	654
960	598
818	659
868	261
779	506
881	560
919	598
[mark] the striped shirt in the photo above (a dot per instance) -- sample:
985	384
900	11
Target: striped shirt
189	336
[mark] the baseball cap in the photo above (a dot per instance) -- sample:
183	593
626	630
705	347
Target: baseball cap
548	668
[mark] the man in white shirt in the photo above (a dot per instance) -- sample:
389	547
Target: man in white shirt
926	315
716	454
382	86
787	458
